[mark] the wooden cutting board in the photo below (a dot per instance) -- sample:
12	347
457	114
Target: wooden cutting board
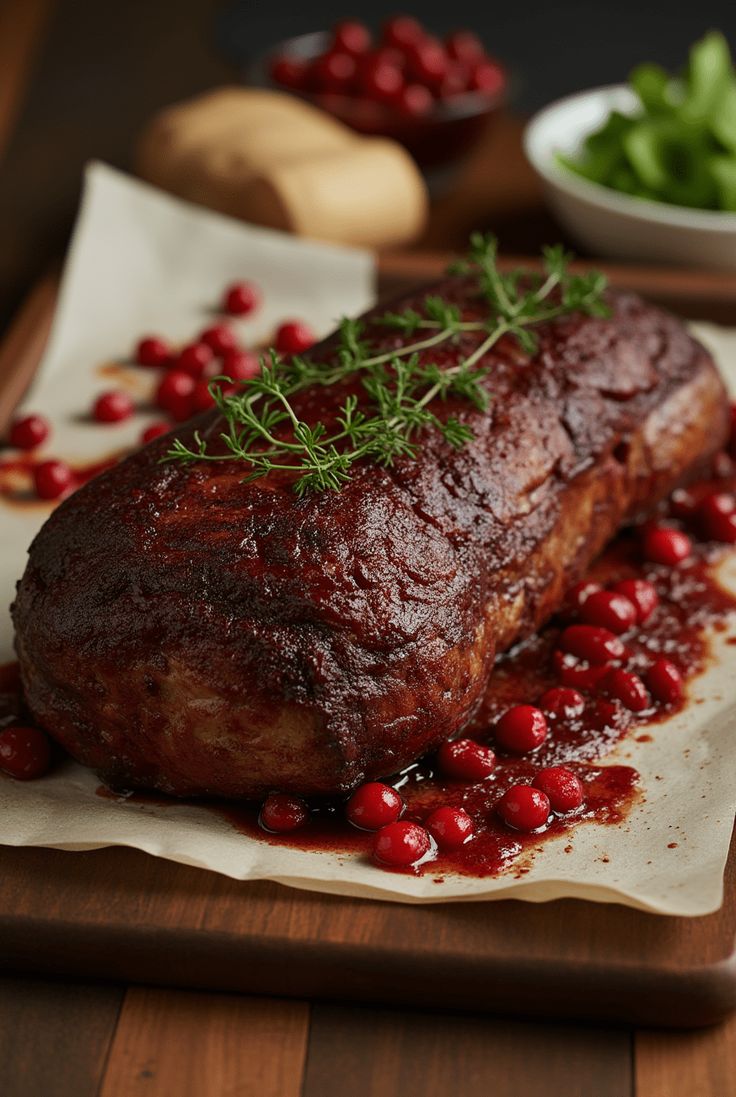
121	914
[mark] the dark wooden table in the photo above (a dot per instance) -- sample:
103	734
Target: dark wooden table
77	80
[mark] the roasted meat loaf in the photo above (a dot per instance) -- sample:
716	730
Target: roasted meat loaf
183	630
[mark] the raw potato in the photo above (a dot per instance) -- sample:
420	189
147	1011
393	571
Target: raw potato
367	194
275	160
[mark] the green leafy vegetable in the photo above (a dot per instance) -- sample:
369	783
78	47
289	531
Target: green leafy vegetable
397	390
723	170
679	146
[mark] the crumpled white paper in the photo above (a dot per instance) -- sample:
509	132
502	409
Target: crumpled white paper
141	260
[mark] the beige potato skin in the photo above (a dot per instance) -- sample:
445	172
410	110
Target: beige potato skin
274	160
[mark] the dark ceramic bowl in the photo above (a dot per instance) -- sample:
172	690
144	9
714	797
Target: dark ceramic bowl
435	139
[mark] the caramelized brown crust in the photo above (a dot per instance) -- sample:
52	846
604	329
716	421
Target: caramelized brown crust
182	630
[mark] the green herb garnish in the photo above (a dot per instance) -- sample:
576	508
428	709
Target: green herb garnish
397	388
679	146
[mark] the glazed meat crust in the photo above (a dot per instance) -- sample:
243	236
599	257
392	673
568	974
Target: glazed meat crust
182	630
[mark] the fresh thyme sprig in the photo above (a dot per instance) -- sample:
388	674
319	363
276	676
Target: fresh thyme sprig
398	386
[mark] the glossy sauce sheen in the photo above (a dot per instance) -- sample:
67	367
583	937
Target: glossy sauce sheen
16	478
691	601
210	637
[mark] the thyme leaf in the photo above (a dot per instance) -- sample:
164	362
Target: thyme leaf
399	388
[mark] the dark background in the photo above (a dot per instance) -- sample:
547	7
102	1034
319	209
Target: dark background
551	48
103	68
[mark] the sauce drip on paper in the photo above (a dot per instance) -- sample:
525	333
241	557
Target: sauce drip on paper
691	600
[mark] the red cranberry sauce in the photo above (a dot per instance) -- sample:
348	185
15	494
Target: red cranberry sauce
579	735
17	486
453	805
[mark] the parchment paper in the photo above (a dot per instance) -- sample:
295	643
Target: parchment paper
140	261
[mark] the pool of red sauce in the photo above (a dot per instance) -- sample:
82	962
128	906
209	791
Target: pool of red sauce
691	600
16	478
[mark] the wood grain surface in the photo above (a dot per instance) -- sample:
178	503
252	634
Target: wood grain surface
55	1037
124	915
192	1044
697	295
689	1063
109	912
387	1053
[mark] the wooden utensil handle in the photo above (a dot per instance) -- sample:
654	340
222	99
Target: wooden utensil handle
23	346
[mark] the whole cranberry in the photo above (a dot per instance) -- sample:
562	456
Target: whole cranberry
52	479
665	682
715	503
466	760
281	813
575	674
25	752
112	407
609	609
175	386
414	100
241	298
202	399
240	365
578	594
194	359
643	596
374	805
591	642
454	82
290	72
563	788
380	80
683	504
403	32
294	337
628	688
450	827
486	78
562	701
521	728
29	431
664	545
351	37
428	63
401	844
220	338
524	808
153	431
465	46
717	515
386	55
334	72
153	351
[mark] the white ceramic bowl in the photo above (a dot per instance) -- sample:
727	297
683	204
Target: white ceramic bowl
605	221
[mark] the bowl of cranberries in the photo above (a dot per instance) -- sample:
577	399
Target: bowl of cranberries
431	95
